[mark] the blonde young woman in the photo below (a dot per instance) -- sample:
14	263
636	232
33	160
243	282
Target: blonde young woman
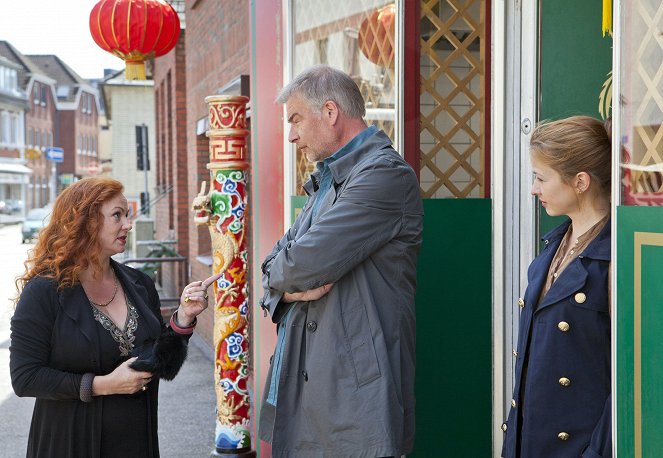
561	399
79	320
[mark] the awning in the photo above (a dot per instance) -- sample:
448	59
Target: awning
9	167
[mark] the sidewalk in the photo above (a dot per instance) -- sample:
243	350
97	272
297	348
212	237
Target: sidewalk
187	406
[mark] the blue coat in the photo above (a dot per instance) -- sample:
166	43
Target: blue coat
565	340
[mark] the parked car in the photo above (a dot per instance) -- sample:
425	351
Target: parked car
35	221
5	208
15	205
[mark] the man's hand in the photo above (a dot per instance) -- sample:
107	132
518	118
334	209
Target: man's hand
310	295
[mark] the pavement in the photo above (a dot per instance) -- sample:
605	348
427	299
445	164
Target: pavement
186	404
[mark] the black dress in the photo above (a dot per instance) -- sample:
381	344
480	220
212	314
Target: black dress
125	419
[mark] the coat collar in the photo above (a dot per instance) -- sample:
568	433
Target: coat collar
598	249
341	167
574	276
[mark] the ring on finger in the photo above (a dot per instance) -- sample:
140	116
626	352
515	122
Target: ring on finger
186	298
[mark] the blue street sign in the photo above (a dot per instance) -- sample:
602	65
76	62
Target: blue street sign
55	154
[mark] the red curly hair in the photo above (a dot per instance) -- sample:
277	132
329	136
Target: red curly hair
69	244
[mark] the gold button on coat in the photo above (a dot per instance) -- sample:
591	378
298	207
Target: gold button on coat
580	298
521	302
504	427
563	326
513	403
563	436
564	381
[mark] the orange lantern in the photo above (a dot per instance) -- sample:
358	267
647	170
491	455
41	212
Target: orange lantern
376	36
134	31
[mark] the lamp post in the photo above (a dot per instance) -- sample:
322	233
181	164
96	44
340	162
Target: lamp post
223	210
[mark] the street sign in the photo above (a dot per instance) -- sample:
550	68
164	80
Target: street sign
55	154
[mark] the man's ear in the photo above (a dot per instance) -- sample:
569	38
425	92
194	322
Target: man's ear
330	112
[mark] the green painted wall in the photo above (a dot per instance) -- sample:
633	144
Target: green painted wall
574	62
454	330
649	222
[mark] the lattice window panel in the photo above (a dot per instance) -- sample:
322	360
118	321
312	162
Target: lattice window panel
452	98
327	32
643	74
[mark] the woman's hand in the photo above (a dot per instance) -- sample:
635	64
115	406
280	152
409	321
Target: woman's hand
123	380
194	300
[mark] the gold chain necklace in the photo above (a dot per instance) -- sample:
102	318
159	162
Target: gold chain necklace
112	297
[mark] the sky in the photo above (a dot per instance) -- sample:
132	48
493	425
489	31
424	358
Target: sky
59	27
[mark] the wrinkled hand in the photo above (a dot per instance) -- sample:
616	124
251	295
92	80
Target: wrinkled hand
310	295
123	380
194	299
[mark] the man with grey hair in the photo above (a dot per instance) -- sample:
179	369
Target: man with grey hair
340	285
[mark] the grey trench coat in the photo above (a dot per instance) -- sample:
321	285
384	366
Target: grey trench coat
346	385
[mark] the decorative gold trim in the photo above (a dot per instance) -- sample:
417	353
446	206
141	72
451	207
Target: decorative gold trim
235	165
639	239
100	32
145	15
226	98
226	133
129	43
154	45
117	43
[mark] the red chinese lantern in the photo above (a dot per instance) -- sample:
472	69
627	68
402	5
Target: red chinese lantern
135	30
376	36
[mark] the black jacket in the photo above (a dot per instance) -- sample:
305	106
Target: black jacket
54	341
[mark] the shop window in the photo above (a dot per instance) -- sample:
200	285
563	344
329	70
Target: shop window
452	102
641	103
357	37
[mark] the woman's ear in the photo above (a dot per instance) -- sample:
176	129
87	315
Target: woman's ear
582	182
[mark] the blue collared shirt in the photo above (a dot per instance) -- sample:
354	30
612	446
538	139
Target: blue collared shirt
325	177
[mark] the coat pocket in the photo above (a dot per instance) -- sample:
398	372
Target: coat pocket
359	342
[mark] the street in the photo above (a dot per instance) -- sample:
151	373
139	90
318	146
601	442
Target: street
186	405
15	412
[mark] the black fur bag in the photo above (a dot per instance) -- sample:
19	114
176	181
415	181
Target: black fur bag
162	357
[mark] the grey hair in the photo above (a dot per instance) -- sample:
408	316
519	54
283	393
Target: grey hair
321	83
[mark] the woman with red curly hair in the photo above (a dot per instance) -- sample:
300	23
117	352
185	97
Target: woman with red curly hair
87	338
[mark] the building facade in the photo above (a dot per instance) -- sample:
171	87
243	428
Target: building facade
130	104
14	176
458	86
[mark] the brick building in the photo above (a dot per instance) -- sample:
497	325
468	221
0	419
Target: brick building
77	130
129	104
206	58
169	75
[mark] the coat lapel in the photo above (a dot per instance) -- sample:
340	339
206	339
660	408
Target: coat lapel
76	305
570	281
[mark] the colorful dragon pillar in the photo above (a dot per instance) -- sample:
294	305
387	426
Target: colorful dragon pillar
223	210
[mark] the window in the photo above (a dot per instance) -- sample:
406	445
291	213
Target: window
14	126
4	127
31	137
8	79
43	95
